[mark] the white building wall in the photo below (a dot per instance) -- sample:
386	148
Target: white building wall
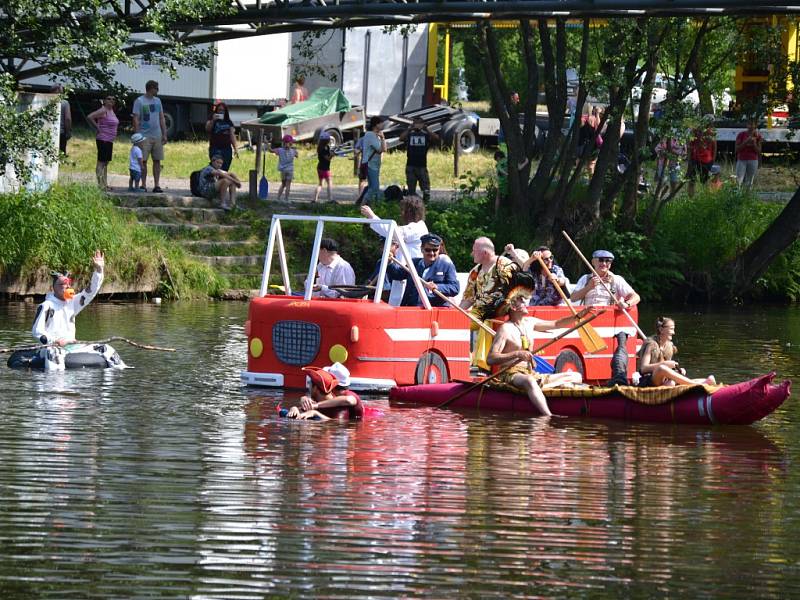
253	68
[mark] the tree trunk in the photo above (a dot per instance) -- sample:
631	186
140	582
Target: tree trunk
751	264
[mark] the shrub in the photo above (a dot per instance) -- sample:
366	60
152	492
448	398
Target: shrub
62	227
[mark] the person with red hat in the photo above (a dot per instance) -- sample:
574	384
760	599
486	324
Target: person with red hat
329	396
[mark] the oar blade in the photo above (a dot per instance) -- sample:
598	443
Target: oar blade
591	339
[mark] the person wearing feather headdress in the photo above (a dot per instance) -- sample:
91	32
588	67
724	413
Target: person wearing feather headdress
511	347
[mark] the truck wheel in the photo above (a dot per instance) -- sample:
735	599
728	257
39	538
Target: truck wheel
466	139
170	122
460	132
568	360
431	368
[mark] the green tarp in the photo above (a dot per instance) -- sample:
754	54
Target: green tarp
323	101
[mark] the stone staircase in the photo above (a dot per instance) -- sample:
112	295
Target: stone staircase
232	244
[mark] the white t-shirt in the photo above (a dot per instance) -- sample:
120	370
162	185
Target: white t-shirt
598	296
134	158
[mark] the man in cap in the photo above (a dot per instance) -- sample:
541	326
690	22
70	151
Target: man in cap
332	270
435	269
590	289
512	348
329	396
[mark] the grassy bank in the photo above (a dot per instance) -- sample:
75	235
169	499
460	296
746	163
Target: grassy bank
181	158
60	229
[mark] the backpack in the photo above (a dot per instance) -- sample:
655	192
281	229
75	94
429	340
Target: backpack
194	183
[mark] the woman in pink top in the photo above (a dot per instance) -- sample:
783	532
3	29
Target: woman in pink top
105	122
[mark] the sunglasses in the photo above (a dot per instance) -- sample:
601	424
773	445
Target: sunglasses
605	260
430	249
548	259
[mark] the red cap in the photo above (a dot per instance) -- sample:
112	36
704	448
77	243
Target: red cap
322	379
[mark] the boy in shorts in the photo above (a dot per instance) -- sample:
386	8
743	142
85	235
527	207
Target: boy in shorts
136	163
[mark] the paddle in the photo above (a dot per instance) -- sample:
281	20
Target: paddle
105	341
589	336
617	301
535	351
263	185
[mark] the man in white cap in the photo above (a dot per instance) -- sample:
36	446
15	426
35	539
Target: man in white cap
590	290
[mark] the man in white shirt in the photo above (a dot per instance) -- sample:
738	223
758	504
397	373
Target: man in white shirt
590	289
332	270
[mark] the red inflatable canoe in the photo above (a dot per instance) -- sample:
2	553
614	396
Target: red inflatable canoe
738	404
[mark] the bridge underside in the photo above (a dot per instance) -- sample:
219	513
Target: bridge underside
248	18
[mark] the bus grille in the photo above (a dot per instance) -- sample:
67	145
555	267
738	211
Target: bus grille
295	342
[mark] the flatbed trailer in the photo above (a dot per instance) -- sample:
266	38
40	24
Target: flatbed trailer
336	124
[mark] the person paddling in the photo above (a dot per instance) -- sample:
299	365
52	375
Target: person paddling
655	359
511	347
329	396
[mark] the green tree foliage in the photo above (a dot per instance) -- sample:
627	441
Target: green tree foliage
22	130
81	41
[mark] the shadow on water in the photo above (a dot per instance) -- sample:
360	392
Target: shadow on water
170	479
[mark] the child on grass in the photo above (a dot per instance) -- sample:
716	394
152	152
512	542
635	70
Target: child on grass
324	157
286	155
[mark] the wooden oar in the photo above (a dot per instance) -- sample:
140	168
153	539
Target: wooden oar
589	336
469	315
613	296
485	380
105	341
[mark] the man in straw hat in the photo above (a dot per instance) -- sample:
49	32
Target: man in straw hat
512	346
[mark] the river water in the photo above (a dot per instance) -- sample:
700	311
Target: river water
172	480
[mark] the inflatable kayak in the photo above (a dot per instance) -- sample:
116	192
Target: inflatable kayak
739	404
75	356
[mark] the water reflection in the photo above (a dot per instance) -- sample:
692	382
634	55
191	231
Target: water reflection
171	479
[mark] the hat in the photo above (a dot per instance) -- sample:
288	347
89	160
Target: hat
602	254
432	239
324	135
715	170
321	378
287	138
340	372
136	138
522	255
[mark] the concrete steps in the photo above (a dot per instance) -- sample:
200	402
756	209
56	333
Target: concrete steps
229	242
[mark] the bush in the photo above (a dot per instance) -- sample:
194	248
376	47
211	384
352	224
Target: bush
712	228
61	228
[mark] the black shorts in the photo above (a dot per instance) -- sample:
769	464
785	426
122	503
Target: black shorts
104	150
698	170
362	172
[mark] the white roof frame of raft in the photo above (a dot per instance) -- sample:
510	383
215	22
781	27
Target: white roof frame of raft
276	237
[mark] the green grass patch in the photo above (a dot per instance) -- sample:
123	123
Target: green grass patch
61	228
181	158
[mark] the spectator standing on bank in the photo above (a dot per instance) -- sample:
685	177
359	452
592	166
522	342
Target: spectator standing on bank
148	119
65	122
702	152
418	139
748	154
299	92
324	157
373	148
221	135
135	162
286	155
358	150
105	122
